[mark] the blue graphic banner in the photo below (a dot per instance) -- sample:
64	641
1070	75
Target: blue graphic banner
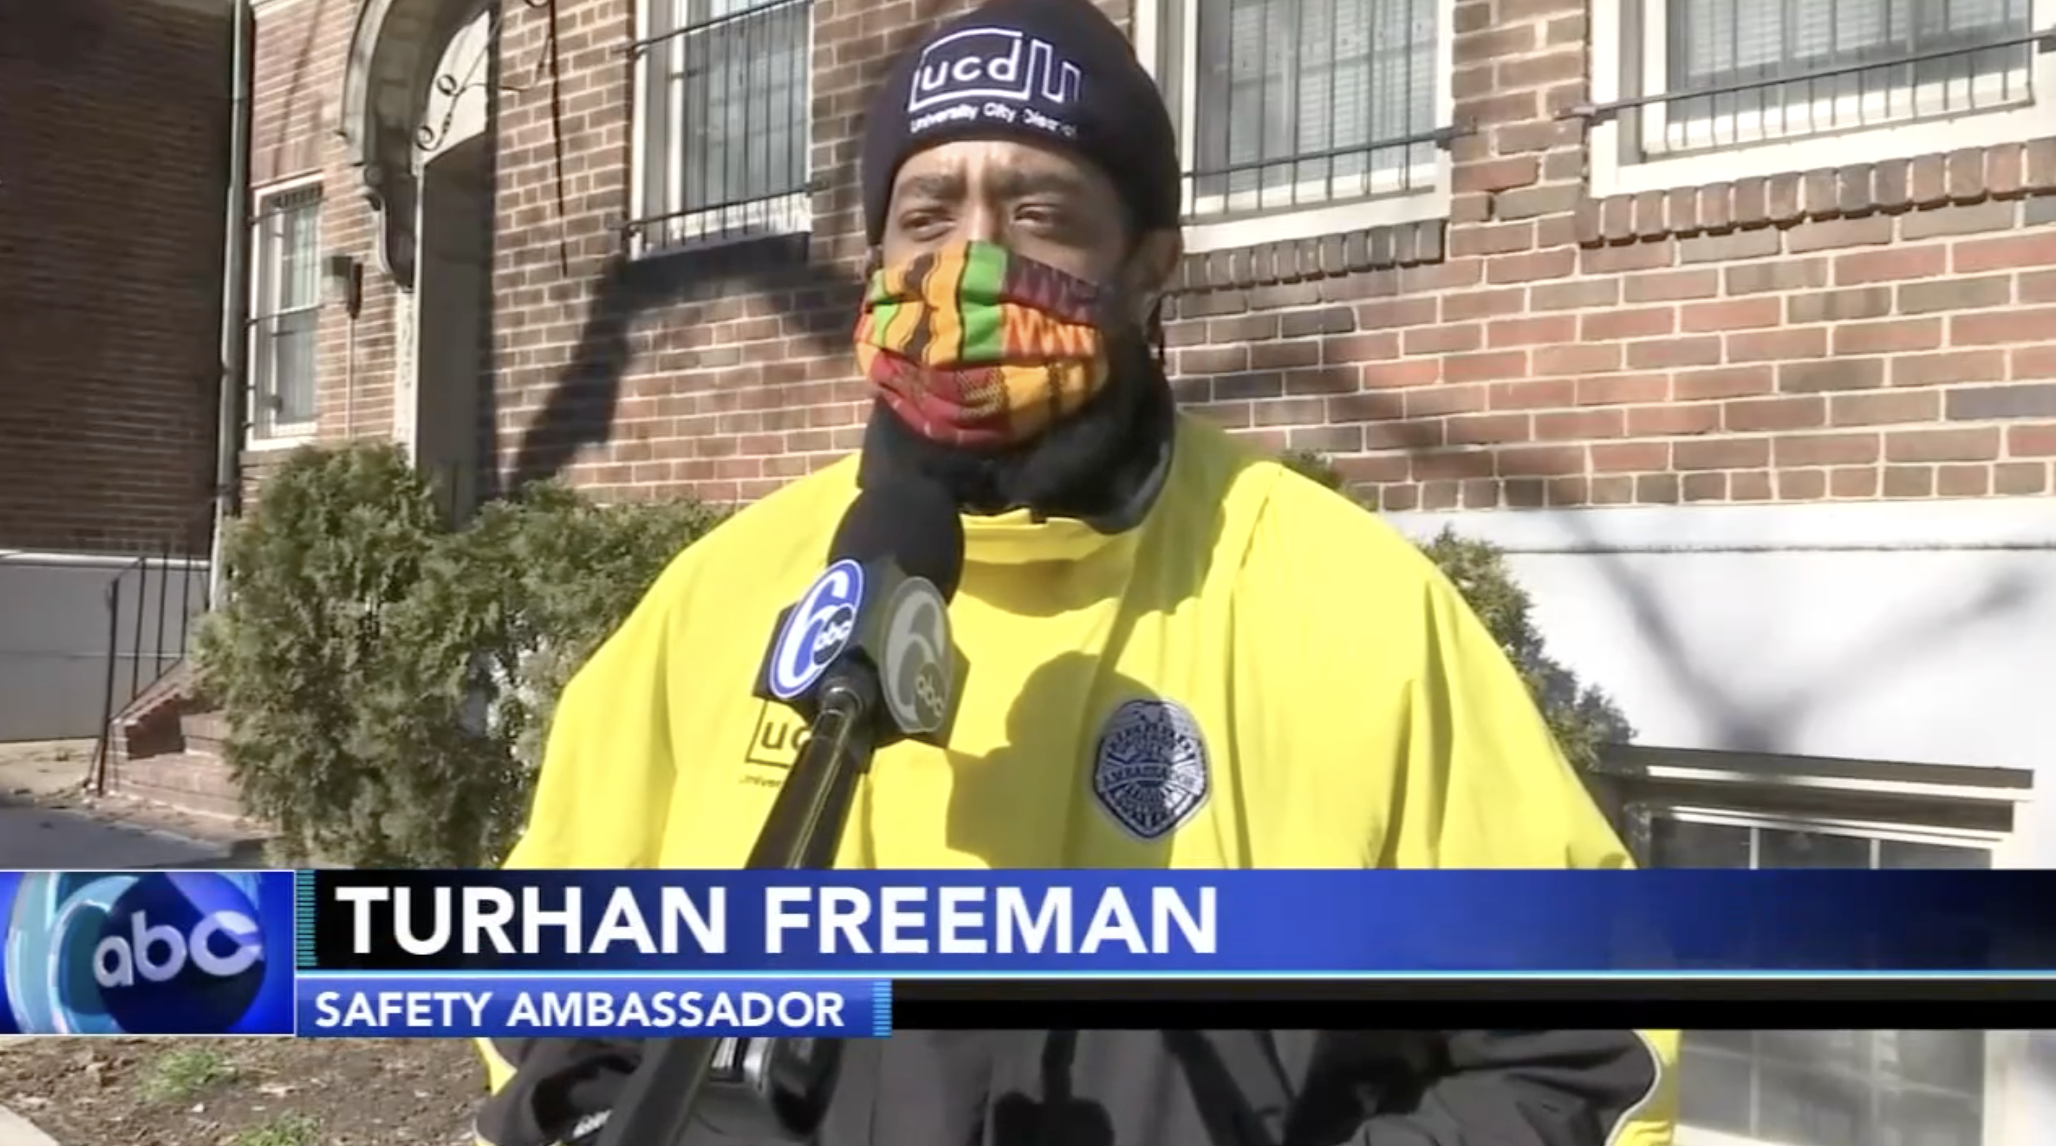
1161	923
151	952
387	1005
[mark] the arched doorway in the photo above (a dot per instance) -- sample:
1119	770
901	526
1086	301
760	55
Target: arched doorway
453	267
418	115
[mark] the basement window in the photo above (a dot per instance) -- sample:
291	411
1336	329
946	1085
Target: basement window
1706	809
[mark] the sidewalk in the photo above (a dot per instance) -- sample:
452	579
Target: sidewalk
18	1131
36	836
46	821
14	1129
43	767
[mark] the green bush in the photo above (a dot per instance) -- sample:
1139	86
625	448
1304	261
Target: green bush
1584	719
388	680
335	542
385	678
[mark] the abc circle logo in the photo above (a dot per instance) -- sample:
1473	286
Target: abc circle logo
919	660
149	953
817	630
835	633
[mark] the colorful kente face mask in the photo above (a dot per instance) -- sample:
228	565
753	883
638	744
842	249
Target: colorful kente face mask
975	346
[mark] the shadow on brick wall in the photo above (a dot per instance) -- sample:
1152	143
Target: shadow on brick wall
821	299
816	297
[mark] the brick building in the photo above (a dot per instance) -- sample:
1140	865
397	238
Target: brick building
113	172
1732	330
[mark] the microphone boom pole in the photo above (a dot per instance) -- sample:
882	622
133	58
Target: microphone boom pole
867	655
812	810
802	833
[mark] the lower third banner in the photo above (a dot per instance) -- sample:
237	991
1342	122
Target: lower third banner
387	1005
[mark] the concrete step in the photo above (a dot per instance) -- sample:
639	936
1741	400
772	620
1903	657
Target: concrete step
169	689
206	733
192	781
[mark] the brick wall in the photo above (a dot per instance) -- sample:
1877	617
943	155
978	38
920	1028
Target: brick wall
1860	333
301	49
113	169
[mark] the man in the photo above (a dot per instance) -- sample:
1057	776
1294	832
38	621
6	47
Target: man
1304	688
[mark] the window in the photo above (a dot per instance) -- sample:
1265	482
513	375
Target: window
285	313
1299	118
1832	1088
723	115
1692	838
1710	808
1761	87
1823	1088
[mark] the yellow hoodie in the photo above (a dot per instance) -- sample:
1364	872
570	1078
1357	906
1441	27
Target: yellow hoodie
1261	675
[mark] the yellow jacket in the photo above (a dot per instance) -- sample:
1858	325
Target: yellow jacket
1261	675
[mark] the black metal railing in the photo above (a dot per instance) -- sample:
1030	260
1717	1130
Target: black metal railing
153	606
726	125
1951	72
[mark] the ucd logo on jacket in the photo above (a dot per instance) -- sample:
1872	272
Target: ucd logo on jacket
121	953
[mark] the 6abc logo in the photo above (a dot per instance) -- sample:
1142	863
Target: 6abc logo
920	661
817	630
134	953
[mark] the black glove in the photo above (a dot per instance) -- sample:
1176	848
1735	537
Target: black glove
561	1091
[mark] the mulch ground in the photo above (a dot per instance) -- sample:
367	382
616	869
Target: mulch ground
245	1092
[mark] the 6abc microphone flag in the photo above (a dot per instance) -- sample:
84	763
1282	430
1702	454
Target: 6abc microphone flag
877	621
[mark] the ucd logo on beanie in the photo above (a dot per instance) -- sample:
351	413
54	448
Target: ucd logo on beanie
1057	72
994	74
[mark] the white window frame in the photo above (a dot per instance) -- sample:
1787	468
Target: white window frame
790	214
1614	171
261	430
2007	1064
1430	200
1874	830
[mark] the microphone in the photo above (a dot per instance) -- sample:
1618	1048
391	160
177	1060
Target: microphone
874	626
865	656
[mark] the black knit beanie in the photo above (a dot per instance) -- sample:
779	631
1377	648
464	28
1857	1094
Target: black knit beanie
1047	71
